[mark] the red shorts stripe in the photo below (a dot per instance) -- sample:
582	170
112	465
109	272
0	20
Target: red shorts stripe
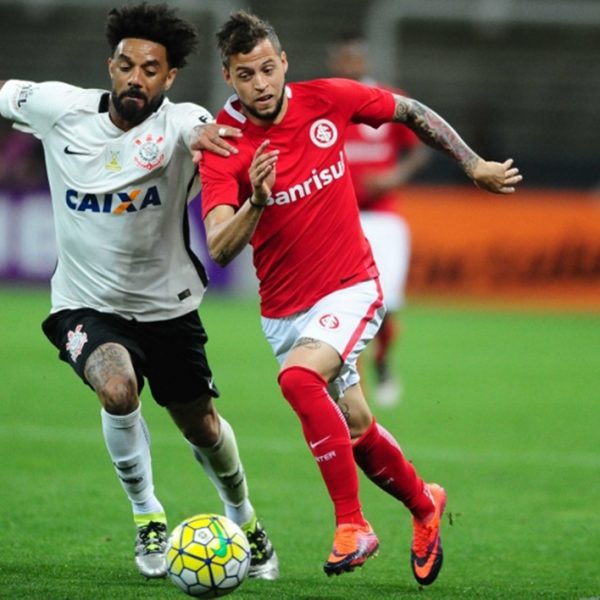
377	303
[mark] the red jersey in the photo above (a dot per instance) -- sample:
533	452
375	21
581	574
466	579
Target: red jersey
376	151
308	242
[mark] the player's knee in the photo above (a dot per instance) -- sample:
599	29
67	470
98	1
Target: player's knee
359	423
293	378
118	395
296	383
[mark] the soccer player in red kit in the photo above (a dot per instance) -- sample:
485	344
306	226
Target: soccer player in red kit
381	161
289	194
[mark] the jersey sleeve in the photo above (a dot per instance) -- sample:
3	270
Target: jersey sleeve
220	184
192	116
366	104
35	107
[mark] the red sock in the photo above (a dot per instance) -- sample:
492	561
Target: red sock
328	438
378	454
384	338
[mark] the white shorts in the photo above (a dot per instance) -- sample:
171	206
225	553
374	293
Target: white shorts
346	320
389	237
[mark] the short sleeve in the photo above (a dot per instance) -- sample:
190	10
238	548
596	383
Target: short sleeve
366	104
35	107
220	184
192	115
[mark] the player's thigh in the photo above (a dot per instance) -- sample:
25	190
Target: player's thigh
81	335
315	355
176	363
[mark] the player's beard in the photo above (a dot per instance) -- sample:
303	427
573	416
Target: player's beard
131	112
266	116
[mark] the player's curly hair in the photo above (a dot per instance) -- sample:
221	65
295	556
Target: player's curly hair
241	32
157	23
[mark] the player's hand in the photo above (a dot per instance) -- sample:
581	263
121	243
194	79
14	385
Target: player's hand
499	178
262	172
211	137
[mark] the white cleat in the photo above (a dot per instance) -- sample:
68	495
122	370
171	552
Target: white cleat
150	550
268	570
264	563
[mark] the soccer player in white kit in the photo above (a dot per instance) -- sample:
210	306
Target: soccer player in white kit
288	193
127	287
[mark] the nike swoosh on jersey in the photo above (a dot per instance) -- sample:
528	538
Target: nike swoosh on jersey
68	150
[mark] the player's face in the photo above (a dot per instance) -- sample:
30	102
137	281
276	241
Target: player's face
140	75
258	79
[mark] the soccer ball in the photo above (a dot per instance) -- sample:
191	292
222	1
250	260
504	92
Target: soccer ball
208	556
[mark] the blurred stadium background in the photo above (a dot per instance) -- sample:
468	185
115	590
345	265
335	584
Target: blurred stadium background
517	78
501	405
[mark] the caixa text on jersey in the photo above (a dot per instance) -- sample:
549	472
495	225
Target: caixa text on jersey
114	203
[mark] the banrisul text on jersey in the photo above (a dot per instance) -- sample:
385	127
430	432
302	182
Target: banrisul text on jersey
319	179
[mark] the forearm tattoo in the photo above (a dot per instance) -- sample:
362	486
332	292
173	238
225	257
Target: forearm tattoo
434	131
105	362
311	343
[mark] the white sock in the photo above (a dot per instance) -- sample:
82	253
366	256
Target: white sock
128	442
224	468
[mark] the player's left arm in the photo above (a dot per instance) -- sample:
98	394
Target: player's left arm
433	130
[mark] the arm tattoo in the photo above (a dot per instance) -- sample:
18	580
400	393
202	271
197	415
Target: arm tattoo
434	131
311	343
107	361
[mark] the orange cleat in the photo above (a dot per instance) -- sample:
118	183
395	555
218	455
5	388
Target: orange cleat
426	554
352	545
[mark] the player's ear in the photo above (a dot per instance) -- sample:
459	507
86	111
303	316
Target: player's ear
227	76
284	61
170	79
109	63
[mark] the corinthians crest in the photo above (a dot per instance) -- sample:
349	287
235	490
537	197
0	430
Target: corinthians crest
149	154
76	341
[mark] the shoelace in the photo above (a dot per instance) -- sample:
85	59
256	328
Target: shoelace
258	543
152	535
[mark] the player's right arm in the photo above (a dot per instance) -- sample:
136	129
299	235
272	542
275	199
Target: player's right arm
434	131
229	231
35	107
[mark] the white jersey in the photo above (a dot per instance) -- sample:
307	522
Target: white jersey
119	200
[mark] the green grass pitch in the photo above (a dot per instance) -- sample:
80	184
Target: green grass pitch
501	408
